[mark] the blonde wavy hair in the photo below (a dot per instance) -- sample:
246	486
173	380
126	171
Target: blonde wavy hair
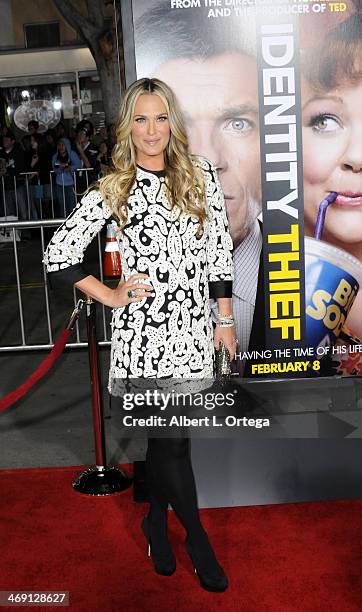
184	181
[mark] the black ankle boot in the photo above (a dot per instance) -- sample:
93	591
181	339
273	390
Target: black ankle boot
211	575
159	548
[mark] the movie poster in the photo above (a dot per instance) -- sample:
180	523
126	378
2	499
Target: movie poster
271	93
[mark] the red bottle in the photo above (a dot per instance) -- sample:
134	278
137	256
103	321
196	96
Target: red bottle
112	267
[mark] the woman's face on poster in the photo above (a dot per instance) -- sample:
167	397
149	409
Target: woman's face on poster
332	157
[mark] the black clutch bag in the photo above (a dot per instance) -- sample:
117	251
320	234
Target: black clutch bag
222	363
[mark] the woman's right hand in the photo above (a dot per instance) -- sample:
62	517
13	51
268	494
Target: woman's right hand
141	290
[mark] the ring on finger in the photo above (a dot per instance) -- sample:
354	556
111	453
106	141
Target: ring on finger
130	293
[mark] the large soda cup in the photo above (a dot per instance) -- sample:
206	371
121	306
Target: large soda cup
332	280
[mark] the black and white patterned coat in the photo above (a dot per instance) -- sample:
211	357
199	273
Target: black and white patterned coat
171	333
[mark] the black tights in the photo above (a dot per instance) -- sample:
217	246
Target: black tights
171	480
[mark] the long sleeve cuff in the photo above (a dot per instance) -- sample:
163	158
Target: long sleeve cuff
67	277
221	289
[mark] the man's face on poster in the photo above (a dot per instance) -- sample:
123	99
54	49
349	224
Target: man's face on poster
219	100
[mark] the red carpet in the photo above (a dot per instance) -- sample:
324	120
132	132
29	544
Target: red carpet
284	558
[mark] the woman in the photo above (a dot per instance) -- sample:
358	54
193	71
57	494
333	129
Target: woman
103	157
175	250
332	141
64	163
87	154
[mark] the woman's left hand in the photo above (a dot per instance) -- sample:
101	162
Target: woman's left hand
228	336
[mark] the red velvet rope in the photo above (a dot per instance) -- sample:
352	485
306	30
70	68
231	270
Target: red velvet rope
41	370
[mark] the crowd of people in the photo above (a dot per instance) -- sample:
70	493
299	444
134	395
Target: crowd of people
43	174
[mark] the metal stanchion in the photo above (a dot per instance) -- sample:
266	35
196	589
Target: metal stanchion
99	479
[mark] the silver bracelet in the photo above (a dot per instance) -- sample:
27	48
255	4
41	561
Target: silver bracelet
227	319
223	323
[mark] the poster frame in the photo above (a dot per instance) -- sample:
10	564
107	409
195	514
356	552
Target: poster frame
350	392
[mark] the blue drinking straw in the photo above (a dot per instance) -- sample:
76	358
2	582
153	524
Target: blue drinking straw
322	214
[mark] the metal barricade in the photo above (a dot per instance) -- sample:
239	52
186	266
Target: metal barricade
24	196
13	228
